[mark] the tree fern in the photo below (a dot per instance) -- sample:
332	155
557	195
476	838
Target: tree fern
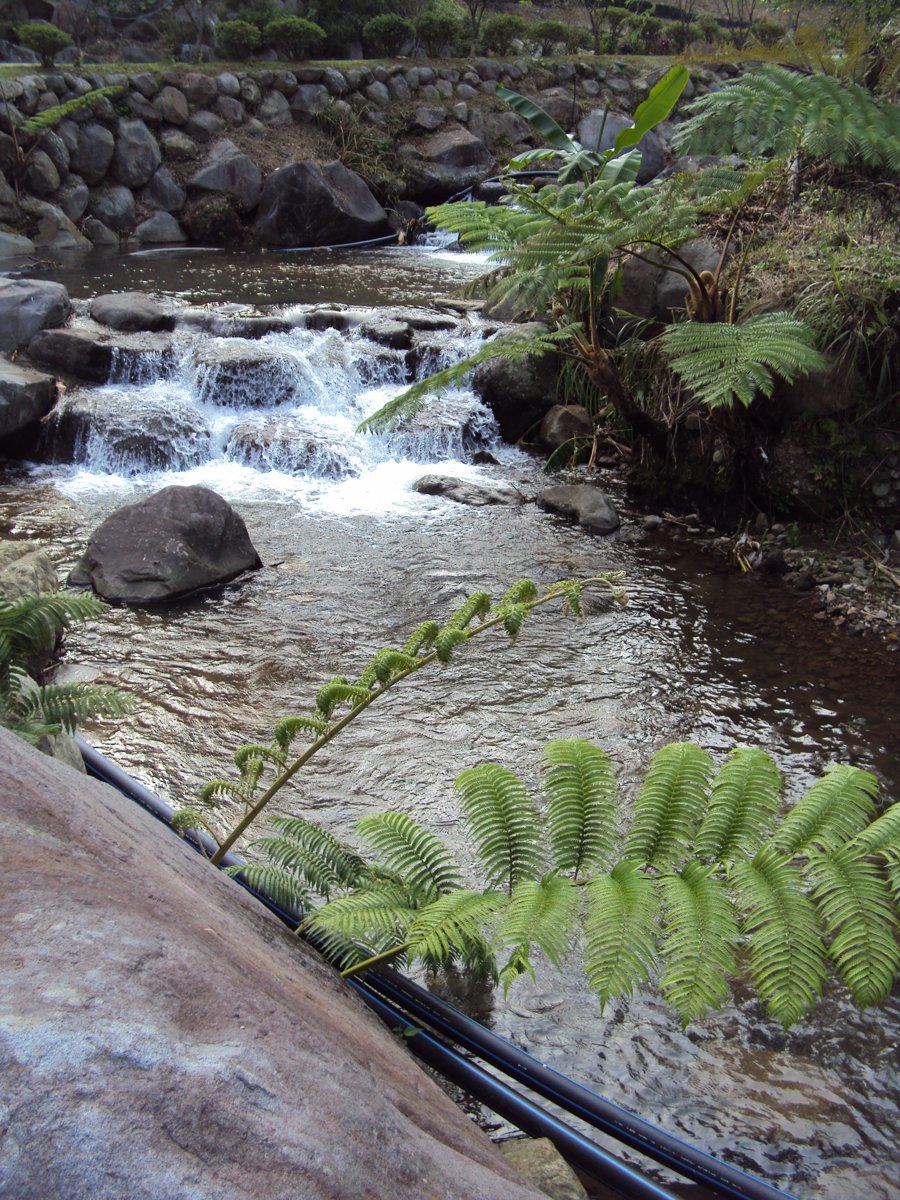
581	814
835	808
787	955
502	823
620	931
854	903
724	363
670	805
451	926
419	857
700	934
313	854
771	110
742	805
540	913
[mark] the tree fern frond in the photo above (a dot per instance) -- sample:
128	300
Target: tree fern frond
374	917
670	805
416	854
64	705
288	727
31	624
742	804
339	691
882	836
386	665
723	363
540	912
787	956
454	924
502	823
215	791
190	818
855	905
771	110
700	934
582	790
620	931
421	638
835	808
275	883
251	750
315	853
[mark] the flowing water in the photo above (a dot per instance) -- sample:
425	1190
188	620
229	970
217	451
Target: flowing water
354	559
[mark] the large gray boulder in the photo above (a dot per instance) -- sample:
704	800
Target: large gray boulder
14	245
448	163
304	204
25	568
93	154
160	229
178	541
25	397
96	357
137	154
113	204
163	192
163	1036
50	228
231	172
41	176
27	306
590	507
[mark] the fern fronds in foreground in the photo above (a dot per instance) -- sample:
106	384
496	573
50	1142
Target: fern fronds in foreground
707	870
341	701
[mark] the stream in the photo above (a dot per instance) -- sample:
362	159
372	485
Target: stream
354	559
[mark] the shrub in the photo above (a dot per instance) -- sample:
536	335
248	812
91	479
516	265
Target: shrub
710	29
439	29
237	39
500	31
293	37
387	33
767	33
259	13
549	33
679	36
44	39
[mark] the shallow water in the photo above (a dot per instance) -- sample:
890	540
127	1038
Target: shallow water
700	653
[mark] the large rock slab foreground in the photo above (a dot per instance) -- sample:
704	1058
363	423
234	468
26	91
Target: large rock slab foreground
161	1035
25	397
179	541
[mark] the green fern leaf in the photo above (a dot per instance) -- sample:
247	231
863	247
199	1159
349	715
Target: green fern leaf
836	807
855	904
447	641
419	857
582	790
386	665
277	884
65	705
882	836
374	918
742	805
540	912
314	853
671	802
700	934
288	727
725	363
620	931
502	823
453	924
339	691
787	956
421	638
251	750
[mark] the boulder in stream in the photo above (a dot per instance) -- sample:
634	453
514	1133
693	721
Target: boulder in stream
592	508
304	204
132	312
25	397
97	358
27	306
475	495
178	541
518	393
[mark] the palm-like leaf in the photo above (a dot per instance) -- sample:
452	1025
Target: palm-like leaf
855	904
413	852
454	925
835	808
787	957
725	363
670	805
700	934
502	822
742	804
620	931
582	790
540	912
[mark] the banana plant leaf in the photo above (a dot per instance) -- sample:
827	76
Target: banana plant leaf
540	120
662	99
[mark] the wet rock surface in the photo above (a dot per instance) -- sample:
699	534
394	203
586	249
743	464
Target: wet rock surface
459	490
591	508
25	397
27	306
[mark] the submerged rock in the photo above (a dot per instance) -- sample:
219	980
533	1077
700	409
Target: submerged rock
178	541
165	1036
475	495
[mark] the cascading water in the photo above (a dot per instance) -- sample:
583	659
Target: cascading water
355	559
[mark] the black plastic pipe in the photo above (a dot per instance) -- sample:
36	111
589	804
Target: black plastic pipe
527	1116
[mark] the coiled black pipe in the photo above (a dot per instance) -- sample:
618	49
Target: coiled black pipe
386	987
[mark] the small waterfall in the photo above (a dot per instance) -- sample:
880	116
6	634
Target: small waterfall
284	407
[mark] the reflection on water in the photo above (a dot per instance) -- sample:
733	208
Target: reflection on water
699	654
